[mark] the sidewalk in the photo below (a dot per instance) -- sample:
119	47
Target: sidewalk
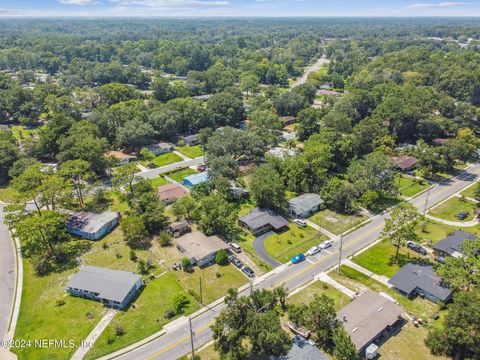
181	155
454	223
328	280
380	278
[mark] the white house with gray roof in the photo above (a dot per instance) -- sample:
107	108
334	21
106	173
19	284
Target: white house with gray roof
305	205
92	226
113	288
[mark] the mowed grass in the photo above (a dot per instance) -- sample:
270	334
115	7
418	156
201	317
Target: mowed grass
7	194
380	258
159	181
335	222
144	317
409	187
470	192
41	318
178	175
450	209
358	281
433	232
166	159
306	295
119	203
246	242
190	151
293	241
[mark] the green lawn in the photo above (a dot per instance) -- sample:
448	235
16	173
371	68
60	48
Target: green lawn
178	175
40	318
357	281
335	222
433	232
295	240
449	209
190	151
306	295
118	201
144	317
21	132
246	242
165	159
470	192
7	194
408	186
385	202
159	181
380	258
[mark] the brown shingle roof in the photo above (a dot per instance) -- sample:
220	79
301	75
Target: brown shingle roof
404	162
170	192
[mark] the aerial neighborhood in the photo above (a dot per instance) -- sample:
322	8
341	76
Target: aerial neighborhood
239	188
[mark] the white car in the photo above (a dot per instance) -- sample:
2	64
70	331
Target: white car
300	222
326	244
313	250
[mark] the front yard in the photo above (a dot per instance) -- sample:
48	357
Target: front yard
163	159
450	209
190	151
433	232
158	181
178	175
335	222
306	295
408	186
295	240
470	192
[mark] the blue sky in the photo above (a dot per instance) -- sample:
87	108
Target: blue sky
166	8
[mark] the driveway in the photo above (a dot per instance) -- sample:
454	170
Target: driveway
7	274
258	245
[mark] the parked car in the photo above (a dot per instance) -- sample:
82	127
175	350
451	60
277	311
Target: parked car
313	250
235	261
298	259
235	247
326	244
300	222
440	259
202	168
249	272
416	247
462	215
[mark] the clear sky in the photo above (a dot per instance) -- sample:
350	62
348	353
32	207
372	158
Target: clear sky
166	8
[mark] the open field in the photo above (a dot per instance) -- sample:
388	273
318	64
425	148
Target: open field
408	186
178	175
306	295
190	151
295	240
335	222
449	210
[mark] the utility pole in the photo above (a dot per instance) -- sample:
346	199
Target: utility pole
191	337
340	254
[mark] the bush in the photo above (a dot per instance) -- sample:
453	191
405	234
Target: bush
164	239
142	267
218	274
221	258
105	246
169	314
133	256
180	302
59	302
119	330
186	266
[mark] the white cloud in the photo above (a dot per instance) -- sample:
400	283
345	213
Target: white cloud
173	4
443	4
77	2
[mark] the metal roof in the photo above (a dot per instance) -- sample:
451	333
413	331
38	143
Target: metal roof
261	217
423	277
452	244
305	203
303	349
197	179
111	285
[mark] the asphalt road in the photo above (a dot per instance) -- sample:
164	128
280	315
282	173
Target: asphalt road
154	173
315	67
7	275
176	342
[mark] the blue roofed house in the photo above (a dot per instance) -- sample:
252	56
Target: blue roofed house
90	225
416	279
195	179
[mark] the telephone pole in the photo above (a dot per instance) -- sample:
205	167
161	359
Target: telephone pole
191	337
340	254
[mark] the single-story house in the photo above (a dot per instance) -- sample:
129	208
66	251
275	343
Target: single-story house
92	226
288	120
280	152
452	244
169	193
113	288
305	205
199	248
195	179
161	148
303	349
179	228
202	97
415	279
368	317
121	157
191	140
260	221
404	162
327	92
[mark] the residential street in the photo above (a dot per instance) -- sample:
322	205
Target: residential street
176	343
7	274
315	67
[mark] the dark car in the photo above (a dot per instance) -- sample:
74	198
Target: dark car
233	259
417	248
202	168
249	272
462	215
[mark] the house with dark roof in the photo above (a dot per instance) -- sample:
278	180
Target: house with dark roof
199	248
452	244
92	226
416	279
191	140
113	288
305	205
179	228
404	162
260	221
368	317
169	193
303	349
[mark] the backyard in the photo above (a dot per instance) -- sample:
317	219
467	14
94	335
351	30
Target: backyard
408	186
178	175
283	246
190	151
452	207
306	295
335	222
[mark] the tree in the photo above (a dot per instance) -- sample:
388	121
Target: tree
134	134
309	123
221	258
115	93
180	302
339	195
134	232
162	90
249	82
320	318
227	108
79	173
217	216
8	154
344	347
267	188
125	177
459	337
401	225
184	208
290	104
